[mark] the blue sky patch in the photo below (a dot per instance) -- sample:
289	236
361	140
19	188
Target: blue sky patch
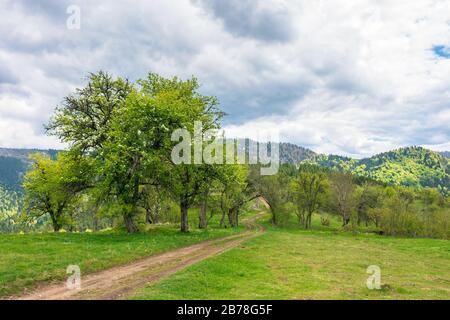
442	51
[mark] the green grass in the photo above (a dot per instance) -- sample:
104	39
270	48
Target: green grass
288	263
283	263
26	260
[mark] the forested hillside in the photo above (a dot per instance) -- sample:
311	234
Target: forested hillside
14	163
412	166
129	182
445	153
293	154
10	201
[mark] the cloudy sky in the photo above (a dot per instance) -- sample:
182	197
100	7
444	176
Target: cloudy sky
347	77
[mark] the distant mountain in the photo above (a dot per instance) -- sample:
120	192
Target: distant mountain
9	201
293	154
411	166
288	152
445	153
13	164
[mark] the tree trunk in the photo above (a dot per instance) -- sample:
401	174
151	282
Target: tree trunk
345	221
232	217
274	217
95	223
128	217
184	216
302	219
202	220
222	220
56	225
129	223
148	216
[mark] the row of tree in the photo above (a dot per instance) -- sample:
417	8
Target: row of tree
119	157
119	164
359	202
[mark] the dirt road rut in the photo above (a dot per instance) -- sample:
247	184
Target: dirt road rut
119	282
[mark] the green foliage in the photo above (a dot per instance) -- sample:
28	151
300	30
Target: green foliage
284	214
367	204
342	192
180	105
9	208
413	166
309	190
423	215
128	159
123	131
234	191
293	154
367	196
325	221
84	118
120	164
273	189
291	263
52	187
30	259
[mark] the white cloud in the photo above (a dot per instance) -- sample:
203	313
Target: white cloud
19	133
346	77
438	147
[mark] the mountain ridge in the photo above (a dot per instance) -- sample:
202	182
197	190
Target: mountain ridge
411	166
445	153
14	163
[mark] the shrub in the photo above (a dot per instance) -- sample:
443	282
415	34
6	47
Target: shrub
284	213
405	218
325	221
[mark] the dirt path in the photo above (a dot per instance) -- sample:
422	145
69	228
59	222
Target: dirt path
119	282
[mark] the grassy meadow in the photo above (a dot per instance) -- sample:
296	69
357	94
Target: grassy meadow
289	263
283	263
29	259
